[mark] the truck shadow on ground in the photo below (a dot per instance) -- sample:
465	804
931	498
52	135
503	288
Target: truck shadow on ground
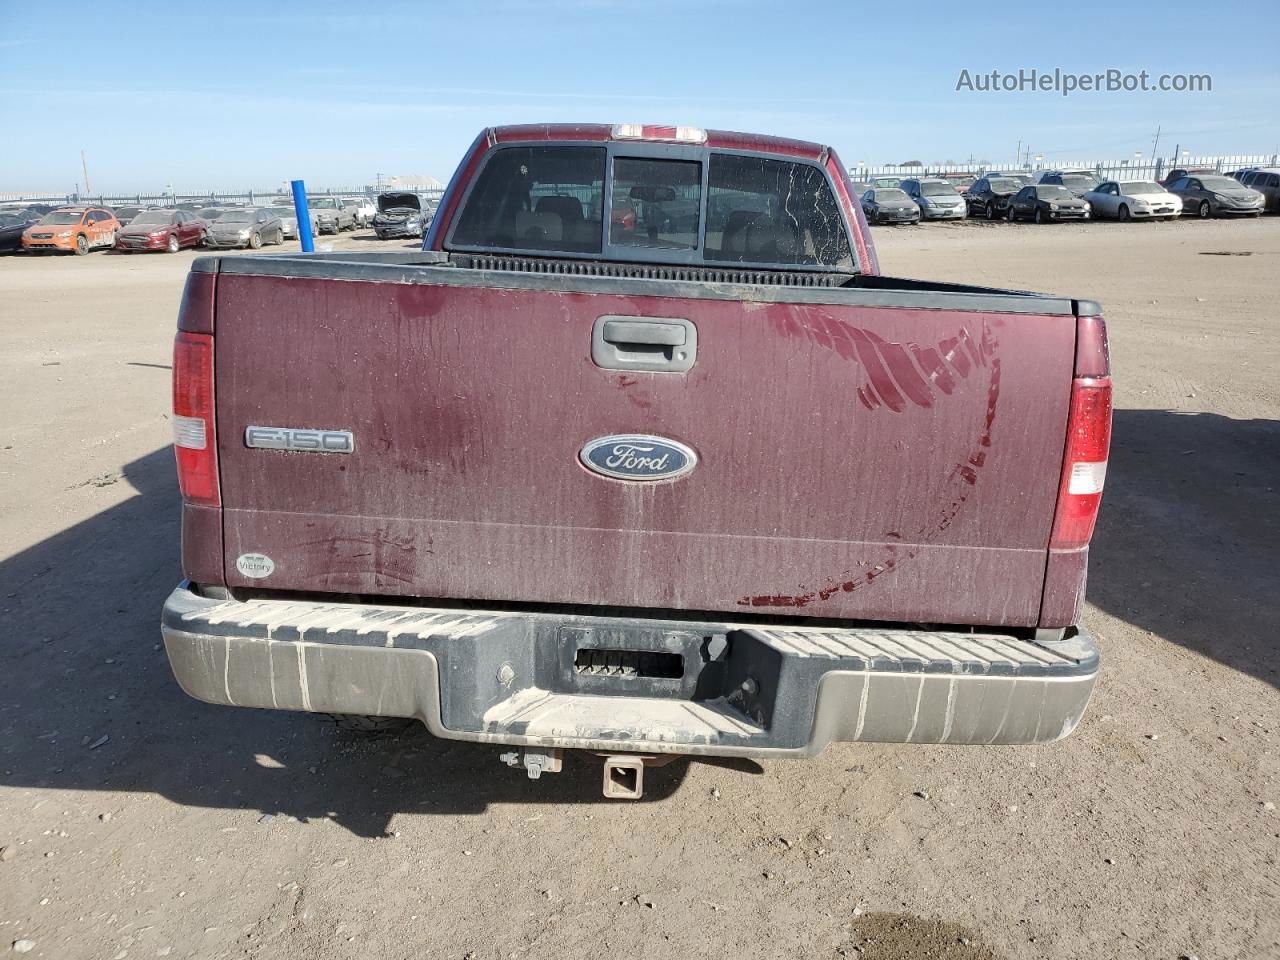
1188	540
1186	548
82	661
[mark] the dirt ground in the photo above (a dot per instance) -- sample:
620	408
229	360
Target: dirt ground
139	823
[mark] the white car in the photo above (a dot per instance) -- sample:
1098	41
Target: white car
1134	200
365	209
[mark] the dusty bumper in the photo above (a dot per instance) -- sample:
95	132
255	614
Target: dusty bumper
744	690
64	245
392	230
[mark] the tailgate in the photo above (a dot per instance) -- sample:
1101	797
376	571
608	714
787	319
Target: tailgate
852	461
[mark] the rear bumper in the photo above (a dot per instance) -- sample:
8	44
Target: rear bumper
514	678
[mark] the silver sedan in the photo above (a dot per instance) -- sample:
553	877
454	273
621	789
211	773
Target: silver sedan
245	227
289	220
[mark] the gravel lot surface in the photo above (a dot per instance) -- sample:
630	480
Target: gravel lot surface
138	823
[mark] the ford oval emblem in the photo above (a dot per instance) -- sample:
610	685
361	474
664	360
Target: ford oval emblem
638	456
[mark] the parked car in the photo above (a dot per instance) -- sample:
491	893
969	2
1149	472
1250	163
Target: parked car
1133	200
1046	203
400	214
211	214
1079	182
1213	195
1241	173
169	230
1266	180
1178	173
859	187
332	215
13	223
72	230
364	209
960	182
1020	178
889	205
289	221
989	196
245	227
937	199
125	214
39	209
880	183
894	595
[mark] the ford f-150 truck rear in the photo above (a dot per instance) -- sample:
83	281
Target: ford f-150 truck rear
641	454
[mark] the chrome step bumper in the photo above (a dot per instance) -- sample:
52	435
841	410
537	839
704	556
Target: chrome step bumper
521	678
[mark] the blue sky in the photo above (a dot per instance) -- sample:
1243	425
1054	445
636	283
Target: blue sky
232	95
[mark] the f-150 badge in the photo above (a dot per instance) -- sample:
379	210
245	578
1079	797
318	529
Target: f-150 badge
638	457
291	438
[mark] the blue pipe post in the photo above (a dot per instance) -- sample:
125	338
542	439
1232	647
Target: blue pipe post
303	213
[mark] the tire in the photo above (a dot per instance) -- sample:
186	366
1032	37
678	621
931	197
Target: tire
204	239
82	245
1204	211
174	245
370	726
1124	212
1010	217
1039	216
255	241
991	211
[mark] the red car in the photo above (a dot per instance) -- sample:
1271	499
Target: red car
169	230
960	182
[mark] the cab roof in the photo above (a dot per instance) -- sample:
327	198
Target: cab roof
604	133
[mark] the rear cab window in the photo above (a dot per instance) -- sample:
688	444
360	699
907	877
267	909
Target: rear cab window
773	211
539	199
656	203
665	204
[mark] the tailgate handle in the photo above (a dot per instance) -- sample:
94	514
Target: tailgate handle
657	344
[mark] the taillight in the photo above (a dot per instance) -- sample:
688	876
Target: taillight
195	315
194	440
1084	468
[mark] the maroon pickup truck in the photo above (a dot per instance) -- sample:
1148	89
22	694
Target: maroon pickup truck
641	455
